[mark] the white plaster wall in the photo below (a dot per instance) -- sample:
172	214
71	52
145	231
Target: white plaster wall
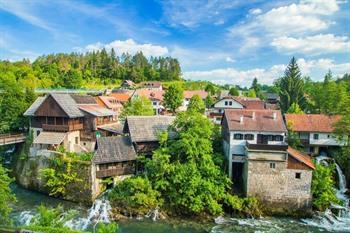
325	139
69	140
221	104
35	131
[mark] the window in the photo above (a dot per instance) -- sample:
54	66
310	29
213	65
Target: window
249	137
315	136
37	132
298	175
226	103
76	140
328	136
51	120
154	103
230	103
279	138
272	165
238	136
270	137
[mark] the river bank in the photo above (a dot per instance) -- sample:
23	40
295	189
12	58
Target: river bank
29	200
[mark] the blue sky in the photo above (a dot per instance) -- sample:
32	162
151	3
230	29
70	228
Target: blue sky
224	41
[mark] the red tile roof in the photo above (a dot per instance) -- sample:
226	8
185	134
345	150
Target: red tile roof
150	94
250	103
110	101
312	122
201	93
151	84
121	97
263	121
301	157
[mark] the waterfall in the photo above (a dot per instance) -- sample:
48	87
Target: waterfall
329	220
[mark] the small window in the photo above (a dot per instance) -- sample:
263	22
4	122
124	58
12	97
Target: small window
230	103
238	136
76	140
279	138
226	103
37	132
316	136
328	136
272	165
249	136
84	143
270	137
154	103
298	175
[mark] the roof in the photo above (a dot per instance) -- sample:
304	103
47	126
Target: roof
250	103
68	104
96	110
109	101
147	128
50	138
312	122
150	94
264	120
114	149
122	97
114	128
152	84
32	109
84	99
301	157
272	96
190	94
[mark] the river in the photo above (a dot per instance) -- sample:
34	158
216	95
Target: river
29	200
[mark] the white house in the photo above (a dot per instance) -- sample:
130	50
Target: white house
315	131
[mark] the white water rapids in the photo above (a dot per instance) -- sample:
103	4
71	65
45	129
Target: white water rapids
329	220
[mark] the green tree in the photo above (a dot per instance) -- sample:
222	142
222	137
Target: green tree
138	106
255	86
322	188
293	137
173	97
196	104
251	93
291	87
294	108
209	101
6	196
234	91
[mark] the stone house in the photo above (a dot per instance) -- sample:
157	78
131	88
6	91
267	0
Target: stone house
144	131
260	162
315	131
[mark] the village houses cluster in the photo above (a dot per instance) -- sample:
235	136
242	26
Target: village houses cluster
260	162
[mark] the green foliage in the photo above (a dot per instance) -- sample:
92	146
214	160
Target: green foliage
294	108
6	196
59	175
256	86
323	191
234	91
107	228
209	101
343	159
139	106
291	87
251	93
135	195
51	220
196	104
173	97
293	137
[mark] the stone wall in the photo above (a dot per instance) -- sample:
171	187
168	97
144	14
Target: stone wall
278	187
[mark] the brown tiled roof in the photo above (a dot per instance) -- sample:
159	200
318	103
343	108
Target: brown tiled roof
151	84
110	102
263	121
312	122
190	94
121	97
114	149
150	94
250	103
147	128
301	157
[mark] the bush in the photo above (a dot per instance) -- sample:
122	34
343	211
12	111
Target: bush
107	228
135	195
323	191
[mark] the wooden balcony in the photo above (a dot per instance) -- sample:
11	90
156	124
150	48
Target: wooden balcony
62	128
272	147
128	170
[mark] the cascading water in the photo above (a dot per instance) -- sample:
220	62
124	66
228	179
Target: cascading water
329	220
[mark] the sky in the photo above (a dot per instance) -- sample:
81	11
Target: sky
223	41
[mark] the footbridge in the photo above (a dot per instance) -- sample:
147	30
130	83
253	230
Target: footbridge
12	138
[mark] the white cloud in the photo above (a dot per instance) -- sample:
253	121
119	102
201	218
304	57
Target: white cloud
316	69
303	18
313	45
129	46
229	59
255	11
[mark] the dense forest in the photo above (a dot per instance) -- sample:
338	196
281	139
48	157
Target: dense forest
98	67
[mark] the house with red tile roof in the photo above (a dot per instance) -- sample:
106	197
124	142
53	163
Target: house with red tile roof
315	131
155	96
152	85
260	163
233	102
110	102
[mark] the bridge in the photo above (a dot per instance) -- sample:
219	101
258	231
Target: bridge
9	139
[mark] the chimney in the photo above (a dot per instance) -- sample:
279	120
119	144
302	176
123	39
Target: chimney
253	116
274	115
241	120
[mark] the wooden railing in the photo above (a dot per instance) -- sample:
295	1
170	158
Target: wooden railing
62	128
115	172
7	139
